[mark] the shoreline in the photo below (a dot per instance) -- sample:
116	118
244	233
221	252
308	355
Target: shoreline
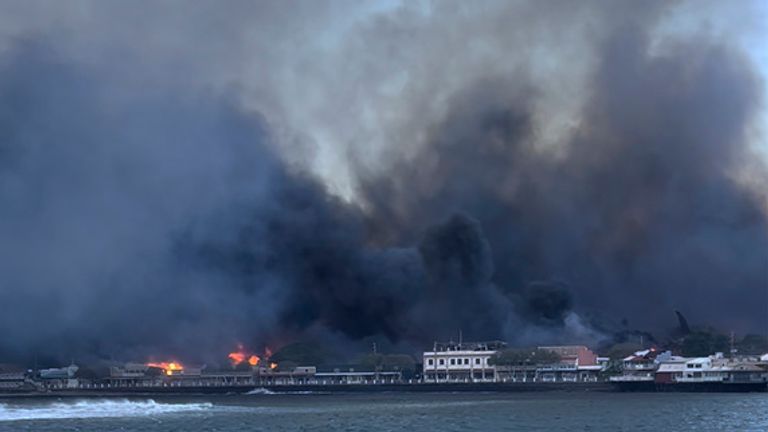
320	389
316	389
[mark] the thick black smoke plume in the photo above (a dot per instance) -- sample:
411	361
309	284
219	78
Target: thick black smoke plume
164	224
643	212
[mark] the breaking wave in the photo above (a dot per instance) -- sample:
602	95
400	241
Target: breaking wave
260	391
264	391
95	409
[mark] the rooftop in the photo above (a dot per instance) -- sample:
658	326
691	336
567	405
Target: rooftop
470	346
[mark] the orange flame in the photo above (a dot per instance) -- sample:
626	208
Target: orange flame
240	356
236	357
169	368
268	355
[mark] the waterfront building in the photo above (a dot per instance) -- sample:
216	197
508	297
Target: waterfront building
461	362
717	368
574	355
748	372
128	370
13	378
641	366
702	369
674	373
299	375
670	371
136	375
356	375
58	378
573	363
12	381
577	364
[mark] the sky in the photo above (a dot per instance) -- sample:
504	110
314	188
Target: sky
263	171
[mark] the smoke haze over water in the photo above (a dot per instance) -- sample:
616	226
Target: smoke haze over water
176	179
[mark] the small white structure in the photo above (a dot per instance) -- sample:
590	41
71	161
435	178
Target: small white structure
712	369
461	362
641	366
128	370
603	362
60	377
701	369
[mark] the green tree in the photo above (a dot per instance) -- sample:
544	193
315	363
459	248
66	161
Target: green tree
371	360
400	362
622	350
288	366
702	343
753	344
302	353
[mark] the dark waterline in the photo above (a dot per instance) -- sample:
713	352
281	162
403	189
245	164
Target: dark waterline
395	411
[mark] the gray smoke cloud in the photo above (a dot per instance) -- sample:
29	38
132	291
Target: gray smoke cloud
640	211
175	180
676	223
143	221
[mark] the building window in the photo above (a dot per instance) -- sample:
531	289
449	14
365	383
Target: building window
477	361
442	362
453	362
466	361
430	362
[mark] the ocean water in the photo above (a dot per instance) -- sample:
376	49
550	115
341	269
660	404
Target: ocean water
394	412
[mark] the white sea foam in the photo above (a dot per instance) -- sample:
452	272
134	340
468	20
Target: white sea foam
260	391
95	409
263	391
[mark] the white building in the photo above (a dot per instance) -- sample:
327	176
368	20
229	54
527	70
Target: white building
712	369
702	369
461	362
642	366
60	377
720	369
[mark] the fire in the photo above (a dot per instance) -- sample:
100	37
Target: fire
268	354
169	368
240	356
236	357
